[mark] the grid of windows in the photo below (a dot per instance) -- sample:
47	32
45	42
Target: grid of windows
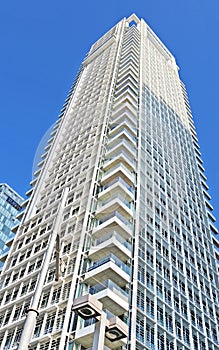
175	239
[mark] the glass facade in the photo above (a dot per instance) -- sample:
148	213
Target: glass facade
117	246
10	205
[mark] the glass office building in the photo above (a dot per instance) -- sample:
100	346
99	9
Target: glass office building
117	246
10	205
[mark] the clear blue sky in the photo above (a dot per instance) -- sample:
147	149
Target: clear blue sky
44	42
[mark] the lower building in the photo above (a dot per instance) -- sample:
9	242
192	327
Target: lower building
10	206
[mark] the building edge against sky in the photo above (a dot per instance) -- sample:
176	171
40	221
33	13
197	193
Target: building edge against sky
116	245
10	206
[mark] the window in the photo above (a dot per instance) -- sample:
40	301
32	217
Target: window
60	319
140	333
49	323
24	288
38	327
17	312
51	275
56	295
44	299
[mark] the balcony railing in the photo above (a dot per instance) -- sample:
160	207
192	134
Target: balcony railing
122	142
110	285
125	122
118	238
119	165
126	131
115	196
119	216
124	117
122	153
121	181
112	258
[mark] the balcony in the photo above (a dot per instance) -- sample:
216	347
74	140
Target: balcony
125	116
114	221
94	319
126	98
122	110
111	296
123	132
213	229
117	187
112	196
120	157
120	185
115	203
114	259
119	170
110	267
120	144
84	336
125	124
111	242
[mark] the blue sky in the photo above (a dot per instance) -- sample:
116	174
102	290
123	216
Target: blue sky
44	42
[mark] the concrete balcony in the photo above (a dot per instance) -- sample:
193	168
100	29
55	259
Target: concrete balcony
123	133
126	98
109	267
119	204
84	336
120	158
111	296
124	116
120	145
111	243
119	170
116	329
122	110
117	186
114	221
124	124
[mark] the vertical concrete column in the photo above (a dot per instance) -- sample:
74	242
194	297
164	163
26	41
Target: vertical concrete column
32	313
99	333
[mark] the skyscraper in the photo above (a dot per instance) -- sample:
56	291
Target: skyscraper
10	205
116	247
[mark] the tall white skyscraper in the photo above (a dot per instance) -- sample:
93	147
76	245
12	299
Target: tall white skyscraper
116	248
